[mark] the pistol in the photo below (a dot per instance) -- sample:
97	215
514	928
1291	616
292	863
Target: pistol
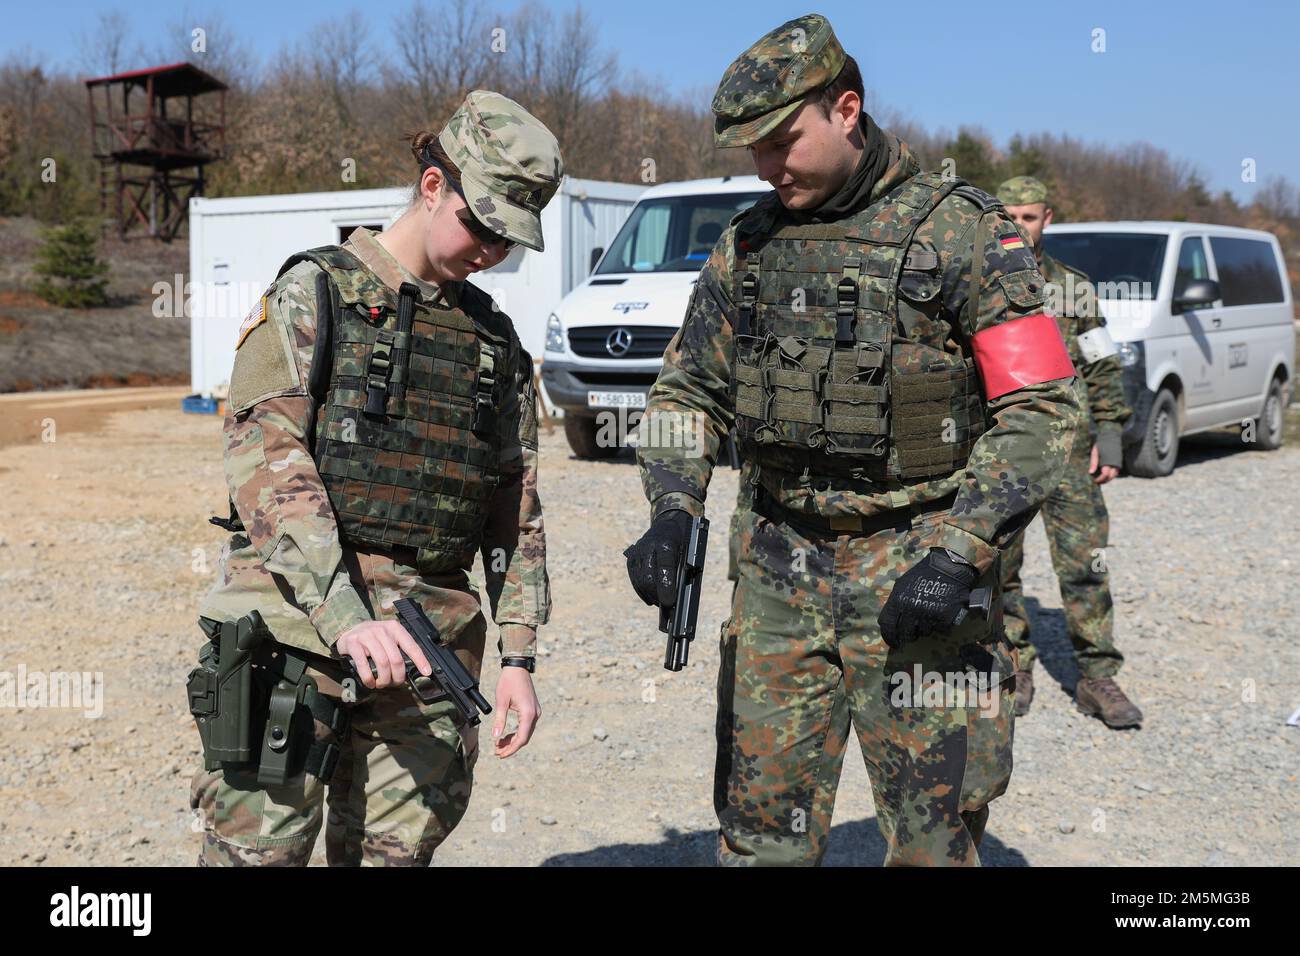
678	621
980	601
449	674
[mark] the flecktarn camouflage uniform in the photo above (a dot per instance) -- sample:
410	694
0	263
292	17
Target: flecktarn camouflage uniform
1074	513
861	421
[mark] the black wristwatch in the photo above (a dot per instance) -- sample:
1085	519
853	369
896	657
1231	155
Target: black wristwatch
527	663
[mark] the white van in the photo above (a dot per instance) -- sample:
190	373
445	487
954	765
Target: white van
606	339
1203	319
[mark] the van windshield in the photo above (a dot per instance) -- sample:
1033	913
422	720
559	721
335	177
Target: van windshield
673	234
1122	265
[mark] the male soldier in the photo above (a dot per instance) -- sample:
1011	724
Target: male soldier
845	324
381	433
1075	512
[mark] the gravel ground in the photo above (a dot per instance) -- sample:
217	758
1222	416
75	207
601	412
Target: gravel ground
101	569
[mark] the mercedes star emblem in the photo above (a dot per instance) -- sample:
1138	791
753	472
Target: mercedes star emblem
618	342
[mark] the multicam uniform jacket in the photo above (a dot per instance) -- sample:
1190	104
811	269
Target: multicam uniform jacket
288	562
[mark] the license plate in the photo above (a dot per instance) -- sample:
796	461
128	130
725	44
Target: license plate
616	399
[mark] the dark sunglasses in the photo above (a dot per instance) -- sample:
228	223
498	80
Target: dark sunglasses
479	231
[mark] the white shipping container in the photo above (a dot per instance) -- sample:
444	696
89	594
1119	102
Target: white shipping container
238	243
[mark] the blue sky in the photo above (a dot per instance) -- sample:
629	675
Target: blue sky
1212	83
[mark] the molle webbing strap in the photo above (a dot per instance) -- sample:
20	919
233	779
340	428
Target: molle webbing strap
408	298
484	386
748	295
377	376
937	420
322	756
846	301
388	370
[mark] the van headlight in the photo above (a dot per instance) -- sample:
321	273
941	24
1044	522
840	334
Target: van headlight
554	333
1130	353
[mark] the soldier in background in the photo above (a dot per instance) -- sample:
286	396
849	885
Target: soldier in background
1074	514
902	404
369	458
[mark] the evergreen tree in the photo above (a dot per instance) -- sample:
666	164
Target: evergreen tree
73	276
973	161
1027	160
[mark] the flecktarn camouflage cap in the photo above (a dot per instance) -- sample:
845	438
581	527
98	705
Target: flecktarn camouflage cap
509	162
768	81
1022	191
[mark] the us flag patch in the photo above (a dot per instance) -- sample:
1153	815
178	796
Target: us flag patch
254	318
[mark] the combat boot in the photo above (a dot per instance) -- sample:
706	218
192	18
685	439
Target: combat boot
1024	692
1101	697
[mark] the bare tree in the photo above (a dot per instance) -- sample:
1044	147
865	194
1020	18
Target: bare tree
576	73
1279	199
467	46
444	53
102	47
207	40
528	43
338	53
414	34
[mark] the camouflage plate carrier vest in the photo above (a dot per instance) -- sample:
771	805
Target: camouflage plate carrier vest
824	380
406	431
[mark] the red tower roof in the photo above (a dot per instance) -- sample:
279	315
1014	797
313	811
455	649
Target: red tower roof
174	79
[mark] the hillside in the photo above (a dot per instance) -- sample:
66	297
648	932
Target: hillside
44	346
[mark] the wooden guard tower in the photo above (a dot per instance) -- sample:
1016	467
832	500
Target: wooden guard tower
151	161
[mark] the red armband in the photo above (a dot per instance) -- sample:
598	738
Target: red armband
1021	352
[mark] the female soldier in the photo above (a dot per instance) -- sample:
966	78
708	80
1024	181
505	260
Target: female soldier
380	433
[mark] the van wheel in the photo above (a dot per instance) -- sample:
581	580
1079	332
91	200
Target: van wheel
1268	427
580	430
1155	457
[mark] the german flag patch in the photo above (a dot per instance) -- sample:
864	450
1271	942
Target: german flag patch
254	318
1011	242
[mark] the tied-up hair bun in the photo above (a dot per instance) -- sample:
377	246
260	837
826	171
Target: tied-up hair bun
419	145
429	152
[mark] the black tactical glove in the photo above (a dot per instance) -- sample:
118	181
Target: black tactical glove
652	562
927	599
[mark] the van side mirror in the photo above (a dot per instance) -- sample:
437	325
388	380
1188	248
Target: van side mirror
1197	293
595	257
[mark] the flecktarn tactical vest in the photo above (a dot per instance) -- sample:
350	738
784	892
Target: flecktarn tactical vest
407	437
825	378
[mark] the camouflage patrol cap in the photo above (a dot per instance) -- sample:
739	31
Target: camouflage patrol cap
509	163
1022	191
767	82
